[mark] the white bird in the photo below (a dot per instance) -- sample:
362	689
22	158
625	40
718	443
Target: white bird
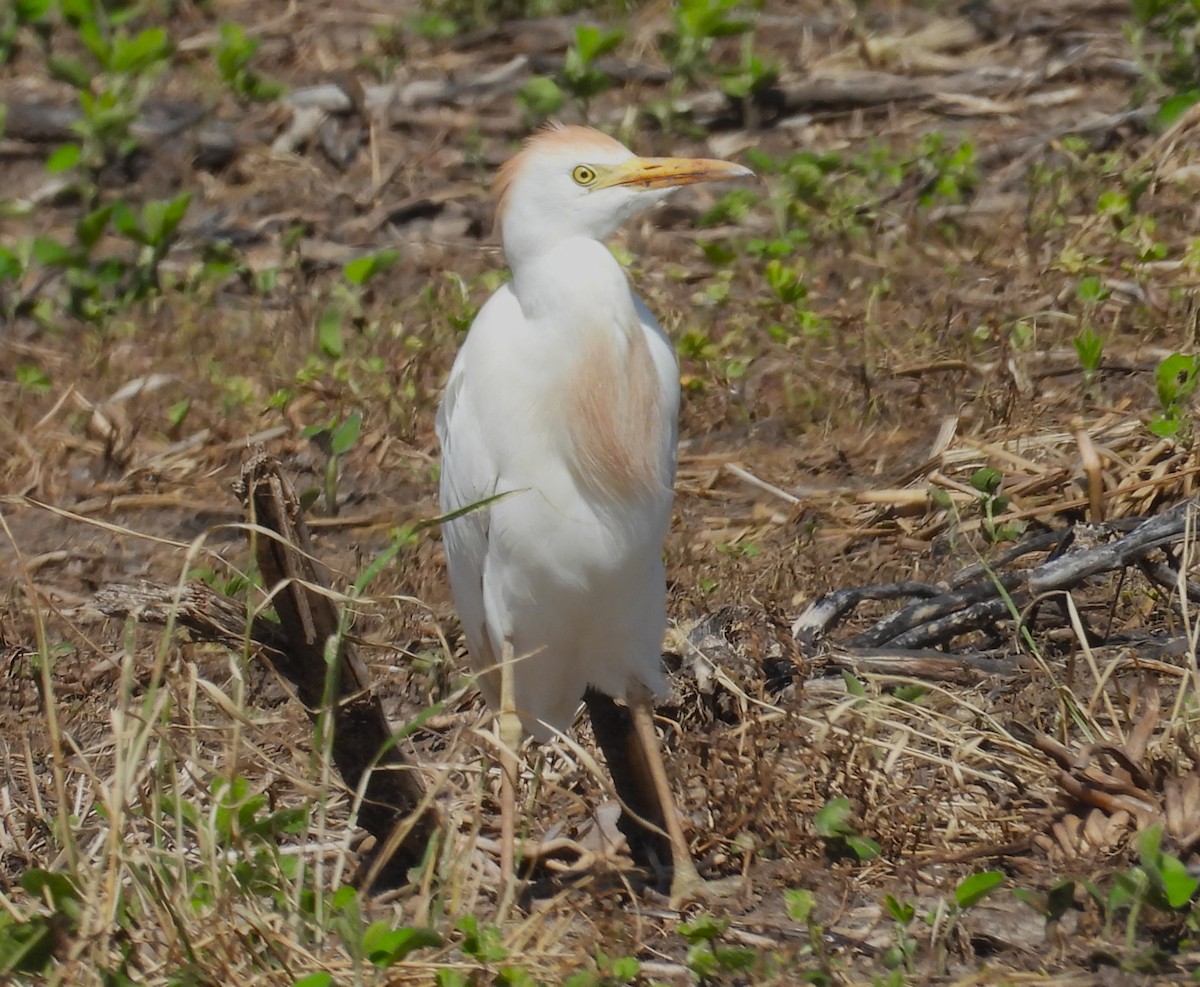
564	399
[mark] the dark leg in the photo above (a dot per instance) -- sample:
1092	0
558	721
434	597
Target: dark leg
632	778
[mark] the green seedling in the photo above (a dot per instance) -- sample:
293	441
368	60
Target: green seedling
346	302
900	957
988	482
696	26
611	971
34	14
1175	382
1089	347
801	907
949	170
833	825
1175	64
234	53
707	956
112	84
336	439
543	96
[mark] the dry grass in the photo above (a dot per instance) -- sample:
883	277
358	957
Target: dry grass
829	441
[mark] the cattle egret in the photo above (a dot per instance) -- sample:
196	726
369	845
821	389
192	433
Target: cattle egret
564	401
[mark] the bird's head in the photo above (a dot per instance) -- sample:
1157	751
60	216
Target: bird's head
570	181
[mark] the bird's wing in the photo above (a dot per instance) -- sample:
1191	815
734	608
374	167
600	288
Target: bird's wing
470	473
663	352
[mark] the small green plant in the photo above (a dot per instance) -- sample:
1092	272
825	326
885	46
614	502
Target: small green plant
949	170
707	955
696	26
1052	905
1175	382
1161	881
346	302
544	96
611	971
801	907
1089	347
988	482
111	86
900	957
1178	69
27	943
336	439
22	13
96	286
833	825
234	53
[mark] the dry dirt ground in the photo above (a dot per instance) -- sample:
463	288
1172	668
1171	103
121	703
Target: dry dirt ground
948	198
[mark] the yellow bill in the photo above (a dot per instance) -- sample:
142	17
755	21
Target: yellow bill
652	173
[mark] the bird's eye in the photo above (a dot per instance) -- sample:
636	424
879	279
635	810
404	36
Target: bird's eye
583	175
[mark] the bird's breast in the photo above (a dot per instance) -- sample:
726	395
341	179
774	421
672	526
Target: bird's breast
613	414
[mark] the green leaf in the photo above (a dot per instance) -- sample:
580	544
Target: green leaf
901	911
447	976
702	928
834	818
32	378
132	56
975	888
360	270
1175	378
50	253
864	847
1178	884
26	947
127	223
1164	426
482	944
853	684
344	897
178	412
1090	348
1060	897
318	979
161	218
385	946
800	903
541	97
57	889
344	437
1173	107
63	158
29	11
593	43
701	961
91	227
735	959
987	480
10	264
1091	290
329	333
69	70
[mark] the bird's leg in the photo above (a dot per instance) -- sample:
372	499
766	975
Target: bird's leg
641	821
686	882
509	728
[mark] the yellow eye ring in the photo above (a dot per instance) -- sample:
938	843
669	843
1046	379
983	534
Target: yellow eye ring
583	175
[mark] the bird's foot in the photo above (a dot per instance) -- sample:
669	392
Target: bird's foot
689	888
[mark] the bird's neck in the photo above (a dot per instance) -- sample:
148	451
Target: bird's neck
573	282
607	398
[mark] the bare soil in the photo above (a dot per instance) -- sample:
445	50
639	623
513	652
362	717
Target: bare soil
935	339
